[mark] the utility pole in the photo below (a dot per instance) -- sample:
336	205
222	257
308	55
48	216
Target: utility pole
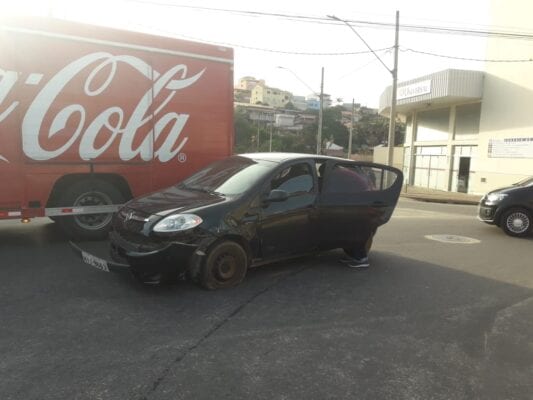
320	111
392	123
351	130
258	118
271	128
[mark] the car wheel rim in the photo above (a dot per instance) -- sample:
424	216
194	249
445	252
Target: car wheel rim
225	267
517	222
93	221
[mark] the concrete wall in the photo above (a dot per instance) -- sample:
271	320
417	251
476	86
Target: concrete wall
381	156
507	107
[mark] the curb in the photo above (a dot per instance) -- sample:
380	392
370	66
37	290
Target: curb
439	199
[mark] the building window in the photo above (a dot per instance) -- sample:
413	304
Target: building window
467	121
430	167
433	125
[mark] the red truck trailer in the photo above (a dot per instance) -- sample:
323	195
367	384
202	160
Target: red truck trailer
91	116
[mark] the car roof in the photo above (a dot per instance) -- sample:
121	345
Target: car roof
282	157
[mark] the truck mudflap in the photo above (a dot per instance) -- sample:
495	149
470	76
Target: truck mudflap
100	263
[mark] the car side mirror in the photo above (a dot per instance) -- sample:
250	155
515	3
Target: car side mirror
277	196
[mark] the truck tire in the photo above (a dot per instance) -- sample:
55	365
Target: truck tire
88	192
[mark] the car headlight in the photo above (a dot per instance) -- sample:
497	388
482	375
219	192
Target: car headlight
177	223
496	197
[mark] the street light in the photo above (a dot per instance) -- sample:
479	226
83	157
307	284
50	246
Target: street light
321	105
394	73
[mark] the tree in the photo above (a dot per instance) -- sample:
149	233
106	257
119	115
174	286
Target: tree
289	106
332	126
372	130
244	131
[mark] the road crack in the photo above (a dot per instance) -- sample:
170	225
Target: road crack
217	326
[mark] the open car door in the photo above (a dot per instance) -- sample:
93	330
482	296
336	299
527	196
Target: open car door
356	198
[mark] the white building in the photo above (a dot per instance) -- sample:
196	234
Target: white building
299	102
472	131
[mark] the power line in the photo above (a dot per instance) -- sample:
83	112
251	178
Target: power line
359	68
385	49
300	53
361	23
404	49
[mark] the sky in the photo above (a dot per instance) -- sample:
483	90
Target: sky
301	38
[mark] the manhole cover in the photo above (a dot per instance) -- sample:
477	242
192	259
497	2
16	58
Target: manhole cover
452	239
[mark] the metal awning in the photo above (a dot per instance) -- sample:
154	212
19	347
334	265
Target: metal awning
448	87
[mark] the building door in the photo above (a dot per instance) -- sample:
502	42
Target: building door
464	173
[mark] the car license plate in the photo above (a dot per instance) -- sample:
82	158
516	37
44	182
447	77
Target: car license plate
94	261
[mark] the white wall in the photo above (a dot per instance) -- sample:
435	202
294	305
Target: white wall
507	108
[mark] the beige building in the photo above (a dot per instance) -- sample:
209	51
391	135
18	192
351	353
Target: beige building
273	97
249	82
472	131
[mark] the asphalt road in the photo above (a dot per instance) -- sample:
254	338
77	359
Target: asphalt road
428	320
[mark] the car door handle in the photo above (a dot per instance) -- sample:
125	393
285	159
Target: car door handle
379	204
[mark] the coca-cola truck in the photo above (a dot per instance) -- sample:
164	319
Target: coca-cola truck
91	116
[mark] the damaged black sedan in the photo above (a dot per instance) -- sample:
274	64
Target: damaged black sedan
249	210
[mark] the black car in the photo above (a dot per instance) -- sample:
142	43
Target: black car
249	210
510	208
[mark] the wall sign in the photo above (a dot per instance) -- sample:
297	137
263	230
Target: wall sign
511	148
414	89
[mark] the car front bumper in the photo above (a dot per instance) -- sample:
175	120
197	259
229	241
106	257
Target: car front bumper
172	258
487	213
167	257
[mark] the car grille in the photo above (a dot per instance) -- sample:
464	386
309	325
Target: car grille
129	220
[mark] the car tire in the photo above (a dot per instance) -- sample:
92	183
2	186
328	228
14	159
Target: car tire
224	266
88	192
516	222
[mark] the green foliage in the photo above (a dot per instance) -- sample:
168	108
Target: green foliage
370	131
244	133
289	106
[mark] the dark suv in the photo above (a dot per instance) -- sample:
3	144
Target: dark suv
511	208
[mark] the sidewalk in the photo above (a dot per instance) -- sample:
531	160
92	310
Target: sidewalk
438	196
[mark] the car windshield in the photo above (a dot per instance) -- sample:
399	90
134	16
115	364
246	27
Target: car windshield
525	182
232	176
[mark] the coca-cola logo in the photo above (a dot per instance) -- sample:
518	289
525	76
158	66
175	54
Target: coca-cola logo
112	120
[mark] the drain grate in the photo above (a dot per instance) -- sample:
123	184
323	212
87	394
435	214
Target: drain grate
453	239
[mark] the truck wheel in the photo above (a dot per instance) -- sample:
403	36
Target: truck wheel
225	266
516	222
89	192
